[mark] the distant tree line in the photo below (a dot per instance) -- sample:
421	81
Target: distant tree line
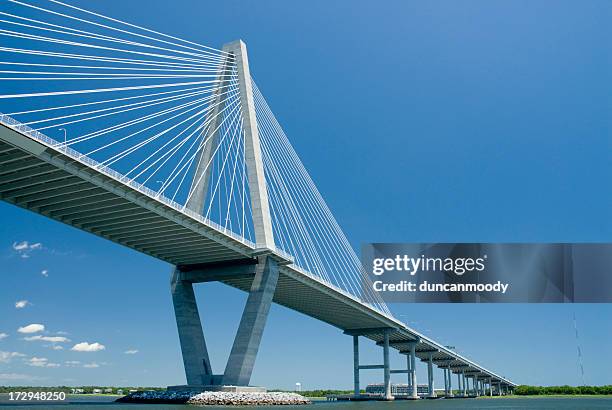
321	393
524	390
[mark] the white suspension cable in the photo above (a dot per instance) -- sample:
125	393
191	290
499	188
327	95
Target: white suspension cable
183	164
45	39
135	105
89	57
209	49
102	90
96	36
103	101
98	24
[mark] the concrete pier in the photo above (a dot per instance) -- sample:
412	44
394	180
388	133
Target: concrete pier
450	382
430	378
385	366
445	382
195	355
413	377
387	372
246	343
459	390
264	271
356	388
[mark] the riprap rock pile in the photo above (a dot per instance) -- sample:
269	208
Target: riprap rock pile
215	398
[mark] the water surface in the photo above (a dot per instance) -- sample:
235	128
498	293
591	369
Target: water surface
530	403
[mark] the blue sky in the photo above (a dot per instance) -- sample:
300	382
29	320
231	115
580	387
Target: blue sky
419	121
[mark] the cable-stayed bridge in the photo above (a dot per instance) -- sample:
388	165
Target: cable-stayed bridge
169	147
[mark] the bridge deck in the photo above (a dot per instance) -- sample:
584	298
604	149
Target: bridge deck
38	174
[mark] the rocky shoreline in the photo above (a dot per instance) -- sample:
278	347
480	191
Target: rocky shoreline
215	398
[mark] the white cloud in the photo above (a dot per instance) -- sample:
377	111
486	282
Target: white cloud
3	336
41	362
25	248
16	376
6	357
131	351
52	339
91	365
44	272
32	328
88	347
20	246
38	361
20	304
57	347
72	363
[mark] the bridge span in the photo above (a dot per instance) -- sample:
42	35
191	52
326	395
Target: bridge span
250	217
41	175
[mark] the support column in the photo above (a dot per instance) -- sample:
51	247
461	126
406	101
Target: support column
445	381
409	374
490	387
357	390
476	388
430	380
246	344
193	346
414	392
450	382
463	381
459	390
387	370
499	392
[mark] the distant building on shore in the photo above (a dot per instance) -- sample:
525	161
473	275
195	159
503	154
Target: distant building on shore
399	389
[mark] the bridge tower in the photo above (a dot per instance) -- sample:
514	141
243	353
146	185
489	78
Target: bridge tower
264	270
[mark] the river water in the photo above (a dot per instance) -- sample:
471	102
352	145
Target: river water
535	403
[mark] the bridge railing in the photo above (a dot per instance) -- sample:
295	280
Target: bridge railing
61	147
